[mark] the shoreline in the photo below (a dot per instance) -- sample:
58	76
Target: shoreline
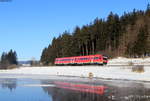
103	72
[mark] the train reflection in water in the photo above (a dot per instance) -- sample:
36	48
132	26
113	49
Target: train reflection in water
59	94
82	87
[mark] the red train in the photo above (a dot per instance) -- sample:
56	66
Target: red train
82	60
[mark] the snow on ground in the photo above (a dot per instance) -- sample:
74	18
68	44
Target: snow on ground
127	61
116	69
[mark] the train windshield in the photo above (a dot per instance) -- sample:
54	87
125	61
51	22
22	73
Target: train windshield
105	58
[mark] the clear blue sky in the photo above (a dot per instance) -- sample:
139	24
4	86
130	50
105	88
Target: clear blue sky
27	26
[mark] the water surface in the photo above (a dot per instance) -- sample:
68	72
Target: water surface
44	88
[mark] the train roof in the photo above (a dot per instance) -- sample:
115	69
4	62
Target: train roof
80	56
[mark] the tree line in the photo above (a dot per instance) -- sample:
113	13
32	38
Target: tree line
8	59
127	35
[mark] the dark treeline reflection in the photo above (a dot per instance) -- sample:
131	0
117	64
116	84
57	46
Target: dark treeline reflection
134	92
8	83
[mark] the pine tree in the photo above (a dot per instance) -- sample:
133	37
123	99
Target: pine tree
141	45
128	35
7	59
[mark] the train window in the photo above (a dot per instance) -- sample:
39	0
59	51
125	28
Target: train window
67	59
86	58
96	57
82	59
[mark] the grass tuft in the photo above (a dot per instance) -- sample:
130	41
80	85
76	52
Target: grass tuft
138	68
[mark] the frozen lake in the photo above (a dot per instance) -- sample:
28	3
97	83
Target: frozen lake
44	88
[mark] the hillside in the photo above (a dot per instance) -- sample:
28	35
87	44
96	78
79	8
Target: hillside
127	35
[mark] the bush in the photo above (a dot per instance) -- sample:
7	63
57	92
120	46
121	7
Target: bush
3	66
138	68
130	63
11	66
8	66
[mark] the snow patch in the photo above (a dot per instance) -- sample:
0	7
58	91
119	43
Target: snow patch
127	61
